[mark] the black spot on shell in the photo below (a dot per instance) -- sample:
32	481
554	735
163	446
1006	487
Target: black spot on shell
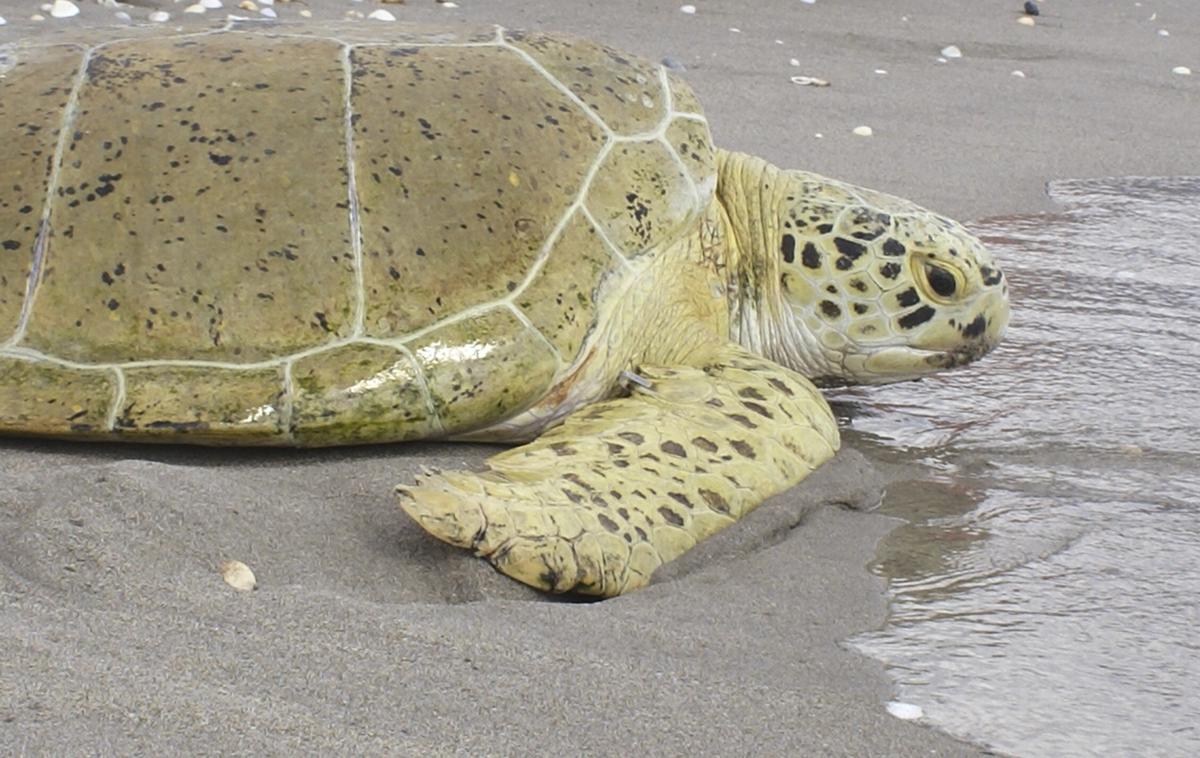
759	409
633	437
893	246
751	393
682	499
780	385
607	523
908	298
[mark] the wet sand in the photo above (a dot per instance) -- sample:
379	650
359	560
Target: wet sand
368	637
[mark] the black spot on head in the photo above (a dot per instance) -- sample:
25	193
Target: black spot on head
607	523
991	276
830	309
780	385
892	246
788	248
975	328
908	298
10	245
633	437
811	257
682	499
917	317
890	270
860	308
750	392
849	248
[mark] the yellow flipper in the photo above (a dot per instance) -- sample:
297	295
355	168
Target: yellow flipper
596	504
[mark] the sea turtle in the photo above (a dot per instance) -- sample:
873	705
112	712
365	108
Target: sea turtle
280	236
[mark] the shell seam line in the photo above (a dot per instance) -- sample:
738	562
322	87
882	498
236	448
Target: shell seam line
110	421
355	220
520	315
70	111
288	405
426	393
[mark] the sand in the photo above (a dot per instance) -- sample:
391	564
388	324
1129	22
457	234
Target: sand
367	637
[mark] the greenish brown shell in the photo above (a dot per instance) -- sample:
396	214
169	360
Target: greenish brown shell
268	235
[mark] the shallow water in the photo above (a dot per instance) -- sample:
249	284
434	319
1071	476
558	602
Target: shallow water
1046	592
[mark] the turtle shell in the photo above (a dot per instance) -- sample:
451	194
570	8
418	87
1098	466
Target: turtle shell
314	236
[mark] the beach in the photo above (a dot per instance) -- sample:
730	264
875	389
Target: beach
366	636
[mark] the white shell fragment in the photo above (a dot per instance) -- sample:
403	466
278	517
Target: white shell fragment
1027	21
238	575
1019	74
123	17
794	62
881	71
247	5
306	13
906	711
1163	33
159	17
951	51
688	9
37	17
64	9
196	8
1181	70
863	131
211	4
268	12
809	81
381	15
2	21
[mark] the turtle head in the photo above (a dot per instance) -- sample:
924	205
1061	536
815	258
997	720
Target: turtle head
874	289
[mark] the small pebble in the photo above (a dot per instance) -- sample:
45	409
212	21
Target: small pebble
449	5
197	8
863	131
1031	8
881	71
778	42
906	711
2	21
159	16
37	17
1132	450
1019	74
306	13
951	51
381	15
266	2
1181	70
809	81
1026	20
247	5
1163	33
238	575
268	13
809	2
735	30
688	9
795	62
818	135
64	9
211	4
674	64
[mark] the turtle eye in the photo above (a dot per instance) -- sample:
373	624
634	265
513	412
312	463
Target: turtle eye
941	281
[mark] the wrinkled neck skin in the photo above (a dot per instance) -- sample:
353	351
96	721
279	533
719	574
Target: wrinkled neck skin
749	194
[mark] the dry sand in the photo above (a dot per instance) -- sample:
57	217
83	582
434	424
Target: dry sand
366	637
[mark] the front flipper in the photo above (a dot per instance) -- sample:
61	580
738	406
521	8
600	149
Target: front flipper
621	487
